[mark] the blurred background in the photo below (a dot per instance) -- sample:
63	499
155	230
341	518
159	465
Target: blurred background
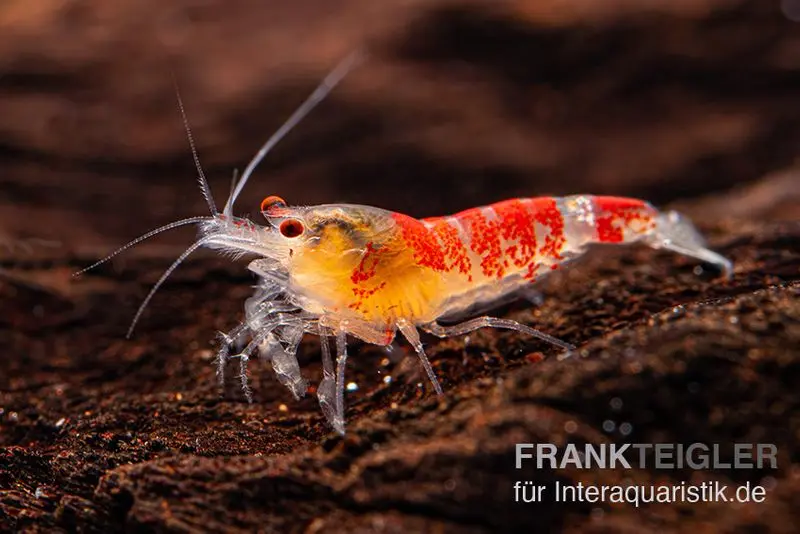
692	104
460	103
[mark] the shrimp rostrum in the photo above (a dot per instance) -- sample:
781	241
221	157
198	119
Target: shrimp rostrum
342	270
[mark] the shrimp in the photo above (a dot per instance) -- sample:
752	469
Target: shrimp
340	270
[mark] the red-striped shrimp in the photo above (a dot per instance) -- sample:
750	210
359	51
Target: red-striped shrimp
367	272
341	270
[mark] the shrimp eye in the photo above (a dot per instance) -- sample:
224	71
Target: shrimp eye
291	228
272	202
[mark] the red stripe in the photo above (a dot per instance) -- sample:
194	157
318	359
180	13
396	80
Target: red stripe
613	215
545	212
484	237
519	229
455	251
425	246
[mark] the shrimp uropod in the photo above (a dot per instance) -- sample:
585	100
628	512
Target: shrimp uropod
341	270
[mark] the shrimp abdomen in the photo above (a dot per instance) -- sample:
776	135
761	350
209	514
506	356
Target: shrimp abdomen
492	250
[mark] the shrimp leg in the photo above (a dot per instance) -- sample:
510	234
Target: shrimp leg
244	357
224	353
248	393
326	390
284	359
411	334
265	332
341	360
493	322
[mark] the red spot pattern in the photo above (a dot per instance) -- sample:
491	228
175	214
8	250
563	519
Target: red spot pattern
425	246
366	267
363	294
614	214
607	232
454	248
546	212
509	240
484	238
365	270
518	226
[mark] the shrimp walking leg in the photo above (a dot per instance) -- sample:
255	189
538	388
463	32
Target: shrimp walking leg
244	357
341	360
224	354
327	387
493	322
411	334
248	393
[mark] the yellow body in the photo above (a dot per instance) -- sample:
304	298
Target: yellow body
353	271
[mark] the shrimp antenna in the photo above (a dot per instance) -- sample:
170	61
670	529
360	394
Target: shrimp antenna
197	244
201	176
322	90
233	180
123	248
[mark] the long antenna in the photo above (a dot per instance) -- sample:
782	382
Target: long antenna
201	176
169	271
330	81
233	181
148	235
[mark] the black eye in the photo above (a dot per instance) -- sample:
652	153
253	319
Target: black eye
291	228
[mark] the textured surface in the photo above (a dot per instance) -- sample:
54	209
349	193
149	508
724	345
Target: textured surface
691	104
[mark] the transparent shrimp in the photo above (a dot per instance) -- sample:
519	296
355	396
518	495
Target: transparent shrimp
340	270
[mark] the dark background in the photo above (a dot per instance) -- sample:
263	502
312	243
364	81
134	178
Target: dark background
691	104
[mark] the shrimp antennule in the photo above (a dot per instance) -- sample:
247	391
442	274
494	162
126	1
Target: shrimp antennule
201	176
